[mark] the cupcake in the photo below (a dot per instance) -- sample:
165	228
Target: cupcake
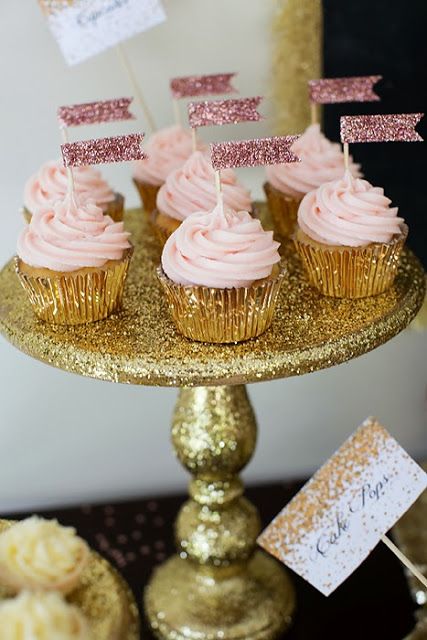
166	150
42	616
221	274
287	184
191	188
50	184
349	238
41	555
73	261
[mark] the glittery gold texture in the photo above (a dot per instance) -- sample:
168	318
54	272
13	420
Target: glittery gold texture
95	112
103	150
381	128
105	600
192	86
140	345
253	153
219	112
354	89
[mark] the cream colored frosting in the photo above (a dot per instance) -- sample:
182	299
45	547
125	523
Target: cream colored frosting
49	184
349	212
191	188
321	161
71	235
220	248
40	554
167	150
41	616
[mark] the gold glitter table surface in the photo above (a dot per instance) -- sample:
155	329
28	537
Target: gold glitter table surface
140	345
104	598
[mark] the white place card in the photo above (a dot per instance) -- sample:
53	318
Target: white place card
84	28
340	515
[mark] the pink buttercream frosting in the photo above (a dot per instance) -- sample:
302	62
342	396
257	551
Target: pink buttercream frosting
50	184
192	188
349	212
321	161
167	150
71	235
221	249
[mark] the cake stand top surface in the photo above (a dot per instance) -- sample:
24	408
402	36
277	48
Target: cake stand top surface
140	345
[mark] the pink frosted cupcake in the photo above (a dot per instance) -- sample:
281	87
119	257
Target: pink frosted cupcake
349	238
167	150
221	274
73	261
191	188
287	184
50	184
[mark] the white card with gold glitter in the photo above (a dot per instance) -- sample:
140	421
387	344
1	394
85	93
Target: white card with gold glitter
339	516
84	28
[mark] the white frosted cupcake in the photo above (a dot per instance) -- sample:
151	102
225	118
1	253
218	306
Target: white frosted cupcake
41	555
41	616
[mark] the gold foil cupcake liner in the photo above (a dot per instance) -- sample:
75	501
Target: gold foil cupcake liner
148	194
283	210
351	272
163	225
78	297
115	209
214	315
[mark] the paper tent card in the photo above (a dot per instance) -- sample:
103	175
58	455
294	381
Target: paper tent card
339	516
84	28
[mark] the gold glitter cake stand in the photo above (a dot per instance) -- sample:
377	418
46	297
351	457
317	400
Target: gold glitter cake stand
217	587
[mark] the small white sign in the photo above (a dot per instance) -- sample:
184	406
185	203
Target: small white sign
339	516
84	28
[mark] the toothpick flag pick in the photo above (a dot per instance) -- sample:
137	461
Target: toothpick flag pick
192	86
251	153
381	128
355	89
95	112
219	112
103	150
340	515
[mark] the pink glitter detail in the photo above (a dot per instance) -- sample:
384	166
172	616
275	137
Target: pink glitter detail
395	127
251	153
355	89
95	112
103	150
218	112
191	86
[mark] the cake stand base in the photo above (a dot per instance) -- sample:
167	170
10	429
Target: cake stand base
184	602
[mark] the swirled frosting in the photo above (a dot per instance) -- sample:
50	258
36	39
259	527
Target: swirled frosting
41	616
71	235
167	150
50	182
321	161
42	555
349	212
220	248
191	188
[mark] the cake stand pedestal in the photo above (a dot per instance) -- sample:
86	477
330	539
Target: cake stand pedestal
217	587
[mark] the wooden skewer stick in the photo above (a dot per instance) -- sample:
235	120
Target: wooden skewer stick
314	113
70	177
135	87
397	552
346	156
218	188
194	138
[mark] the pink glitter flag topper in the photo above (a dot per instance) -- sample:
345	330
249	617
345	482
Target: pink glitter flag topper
252	153
192	86
95	112
341	514
219	112
356	89
103	150
395	127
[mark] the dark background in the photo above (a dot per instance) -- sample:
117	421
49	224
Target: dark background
388	38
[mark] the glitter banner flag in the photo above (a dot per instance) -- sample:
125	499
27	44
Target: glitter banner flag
219	112
356	89
251	153
103	150
395	127
95	112
340	515
84	28
208	85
